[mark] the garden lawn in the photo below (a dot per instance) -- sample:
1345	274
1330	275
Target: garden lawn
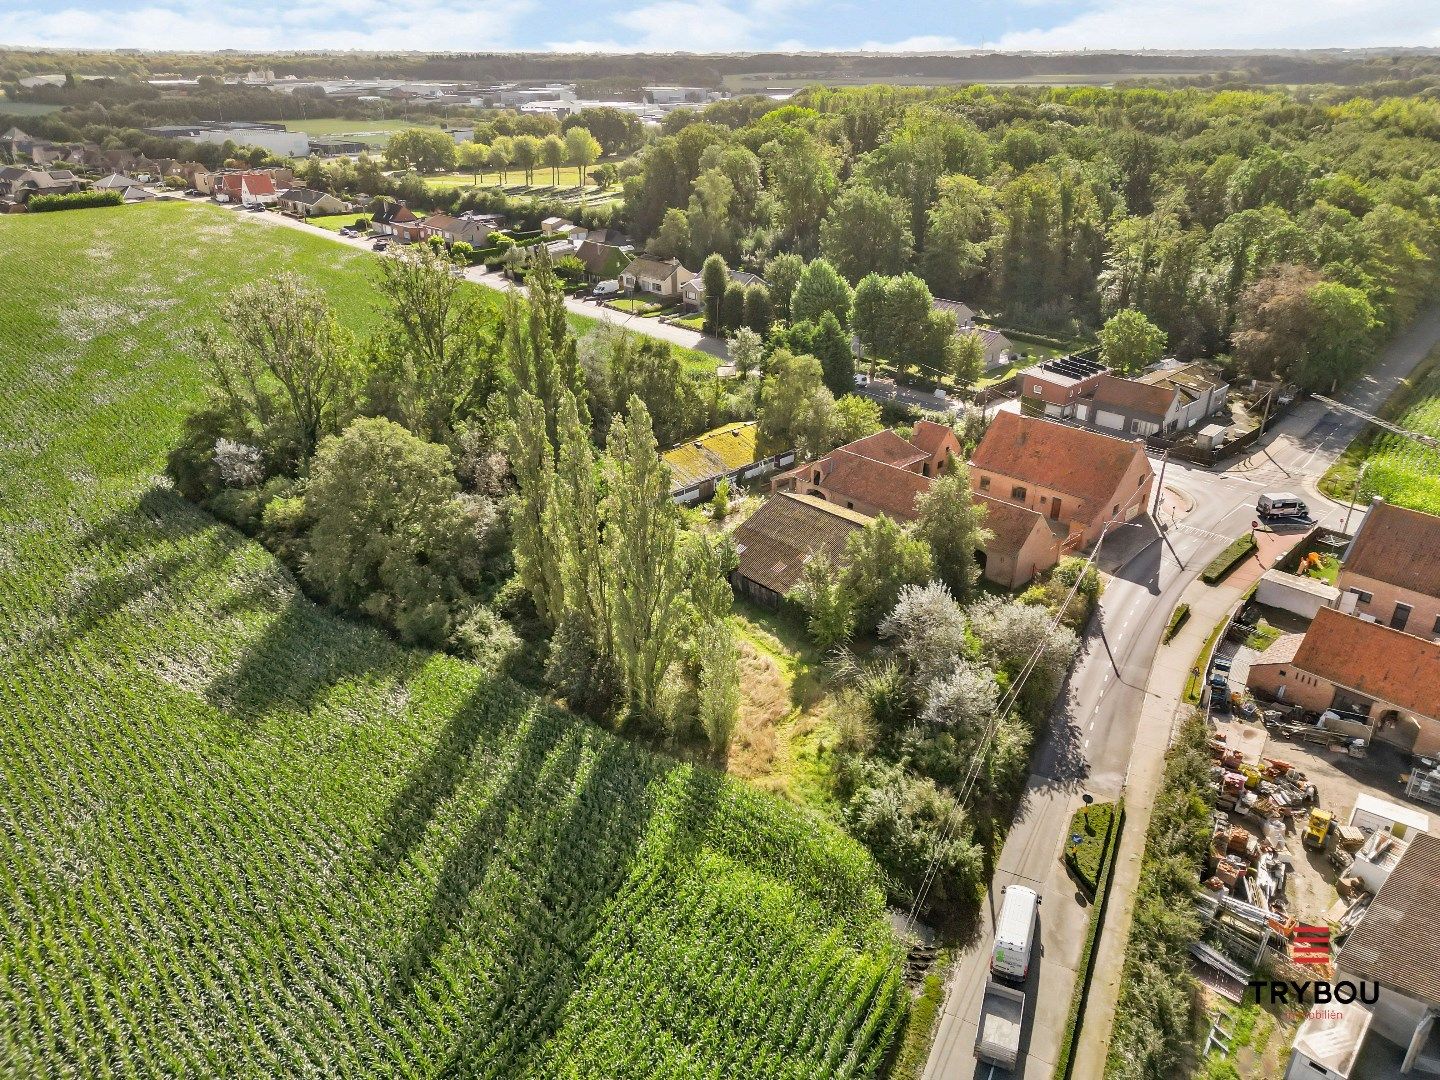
246	838
333	222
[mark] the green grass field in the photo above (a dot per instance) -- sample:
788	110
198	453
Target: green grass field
245	838
25	108
1405	472
375	132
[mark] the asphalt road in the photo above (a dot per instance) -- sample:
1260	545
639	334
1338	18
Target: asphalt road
1094	726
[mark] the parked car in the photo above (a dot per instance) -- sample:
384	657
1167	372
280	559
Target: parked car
605	288
1281	504
380	245
191	191
862	378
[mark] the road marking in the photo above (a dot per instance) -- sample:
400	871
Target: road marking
1087	744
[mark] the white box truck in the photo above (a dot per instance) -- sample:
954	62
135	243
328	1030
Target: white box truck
1015	933
1002	1021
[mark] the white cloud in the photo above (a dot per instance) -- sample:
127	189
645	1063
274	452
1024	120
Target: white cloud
692	26
275	25
1237	24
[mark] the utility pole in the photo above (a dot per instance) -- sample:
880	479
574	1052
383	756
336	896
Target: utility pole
1354	494
1266	417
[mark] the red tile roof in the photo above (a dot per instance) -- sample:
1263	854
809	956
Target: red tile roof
1398	546
886	487
1374	660
888	447
1083	464
259	183
1010	523
932	437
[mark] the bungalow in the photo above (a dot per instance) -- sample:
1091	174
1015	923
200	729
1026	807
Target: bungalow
131	189
773	543
1391	571
1362	668
307	202
18	184
879	474
655	277
389	214
471	228
692	292
604	262
1054	387
964	313
1080	479
998	348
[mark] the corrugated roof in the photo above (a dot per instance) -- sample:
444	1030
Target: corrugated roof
712	454
1398	546
1395	944
775	541
1373	659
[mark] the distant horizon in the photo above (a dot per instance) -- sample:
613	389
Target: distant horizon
729	27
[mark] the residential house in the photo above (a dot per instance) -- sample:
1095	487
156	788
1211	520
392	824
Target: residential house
388	215
408	232
551	225
471	228
1391	570
525	254
655	277
1394	946
1081	479
307	202
197	177
692	292
16	143
964	313
1130	407
1055	387
130	188
879	474
1203	391
604	262
730	452
246	188
18	184
774	542
1361	668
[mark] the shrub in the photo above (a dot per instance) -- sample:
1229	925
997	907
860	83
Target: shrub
75	200
1087	842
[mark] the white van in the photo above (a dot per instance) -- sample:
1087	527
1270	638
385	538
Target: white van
606	288
1281	504
1015	933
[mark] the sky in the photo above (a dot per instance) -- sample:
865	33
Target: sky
718	25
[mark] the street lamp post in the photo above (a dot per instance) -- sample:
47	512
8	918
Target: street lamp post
1354	494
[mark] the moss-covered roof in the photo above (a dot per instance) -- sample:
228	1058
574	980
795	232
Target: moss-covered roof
712	454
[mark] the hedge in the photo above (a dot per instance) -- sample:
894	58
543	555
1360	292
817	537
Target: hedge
1230	558
1085	970
75	200
1178	618
1085	857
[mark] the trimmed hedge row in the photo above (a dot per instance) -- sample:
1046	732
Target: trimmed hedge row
1178	618
1230	558
75	200
1093	824
1086	969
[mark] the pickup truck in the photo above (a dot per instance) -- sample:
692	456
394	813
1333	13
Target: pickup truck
1002	1020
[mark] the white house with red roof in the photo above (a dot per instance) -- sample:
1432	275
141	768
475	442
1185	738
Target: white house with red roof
246	188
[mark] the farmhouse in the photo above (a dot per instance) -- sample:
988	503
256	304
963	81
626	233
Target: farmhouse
655	277
1022	542
1391	570
774	542
1362	668
1080	479
879	474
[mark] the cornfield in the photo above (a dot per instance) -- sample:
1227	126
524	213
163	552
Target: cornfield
245	838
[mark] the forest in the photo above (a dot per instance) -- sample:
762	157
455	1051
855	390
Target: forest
1286	233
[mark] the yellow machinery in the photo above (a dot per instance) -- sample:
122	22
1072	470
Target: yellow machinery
1318	828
